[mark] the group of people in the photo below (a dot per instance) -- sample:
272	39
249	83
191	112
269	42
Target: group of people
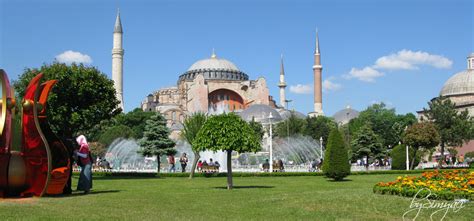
277	166
203	165
183	160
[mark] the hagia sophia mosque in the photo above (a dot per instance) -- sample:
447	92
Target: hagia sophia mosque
216	84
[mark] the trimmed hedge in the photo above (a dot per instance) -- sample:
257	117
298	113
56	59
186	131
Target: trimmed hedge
247	174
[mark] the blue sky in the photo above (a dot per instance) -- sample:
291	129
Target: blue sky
398	52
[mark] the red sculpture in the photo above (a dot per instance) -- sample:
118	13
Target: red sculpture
33	160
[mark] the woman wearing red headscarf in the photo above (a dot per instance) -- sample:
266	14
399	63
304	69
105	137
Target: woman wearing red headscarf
85	178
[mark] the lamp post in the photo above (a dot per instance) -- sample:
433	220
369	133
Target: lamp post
407	154
270	117
288	123
408	159
322	149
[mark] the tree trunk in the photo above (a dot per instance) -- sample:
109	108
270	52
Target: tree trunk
158	161
413	158
367	163
229	170
196	159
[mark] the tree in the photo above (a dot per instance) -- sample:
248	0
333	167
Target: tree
336	162
291	126
399	159
454	127
82	97
135	120
421	136
385	123
227	132
367	144
192	125
321	126
156	141
112	133
257	128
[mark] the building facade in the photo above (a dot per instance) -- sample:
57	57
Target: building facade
209	85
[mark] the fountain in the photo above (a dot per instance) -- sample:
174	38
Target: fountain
123	155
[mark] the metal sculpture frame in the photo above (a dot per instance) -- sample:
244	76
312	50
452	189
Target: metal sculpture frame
40	165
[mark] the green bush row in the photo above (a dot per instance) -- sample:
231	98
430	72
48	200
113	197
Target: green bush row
249	174
438	195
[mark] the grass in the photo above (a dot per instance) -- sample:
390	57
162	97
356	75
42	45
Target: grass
254	198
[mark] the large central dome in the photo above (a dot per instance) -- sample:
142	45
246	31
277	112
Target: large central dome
460	83
214	68
213	63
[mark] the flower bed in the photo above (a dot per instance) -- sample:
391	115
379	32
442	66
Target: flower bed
445	185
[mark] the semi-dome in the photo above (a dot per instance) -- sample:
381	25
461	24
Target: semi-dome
213	63
260	113
285	114
345	115
460	83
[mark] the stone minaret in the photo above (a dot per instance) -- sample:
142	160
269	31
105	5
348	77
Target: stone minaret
117	60
318	91
282	84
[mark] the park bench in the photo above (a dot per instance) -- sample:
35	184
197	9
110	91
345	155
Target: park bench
276	168
209	169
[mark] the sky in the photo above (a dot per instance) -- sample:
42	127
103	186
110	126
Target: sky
396	52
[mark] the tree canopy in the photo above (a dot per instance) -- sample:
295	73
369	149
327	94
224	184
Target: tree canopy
192	125
421	136
367	144
156	141
454	127
81	99
385	123
227	132
291	126
321	126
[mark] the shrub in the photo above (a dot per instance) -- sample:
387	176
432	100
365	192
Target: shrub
336	162
469	155
398	155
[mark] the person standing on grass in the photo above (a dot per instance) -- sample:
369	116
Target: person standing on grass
184	161
85	160
171	163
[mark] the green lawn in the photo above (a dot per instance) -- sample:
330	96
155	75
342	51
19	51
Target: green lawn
254	198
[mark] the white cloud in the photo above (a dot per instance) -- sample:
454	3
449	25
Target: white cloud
69	57
301	89
328	85
367	74
409	60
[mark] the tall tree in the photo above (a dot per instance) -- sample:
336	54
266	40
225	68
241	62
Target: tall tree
227	132
336	162
385	123
454	127
421	136
156	141
135	120
367	144
321	126
291	126
257	128
82	97
192	125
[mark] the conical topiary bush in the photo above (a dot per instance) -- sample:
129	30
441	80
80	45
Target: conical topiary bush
336	162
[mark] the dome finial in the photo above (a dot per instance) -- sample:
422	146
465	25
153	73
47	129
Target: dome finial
213	53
